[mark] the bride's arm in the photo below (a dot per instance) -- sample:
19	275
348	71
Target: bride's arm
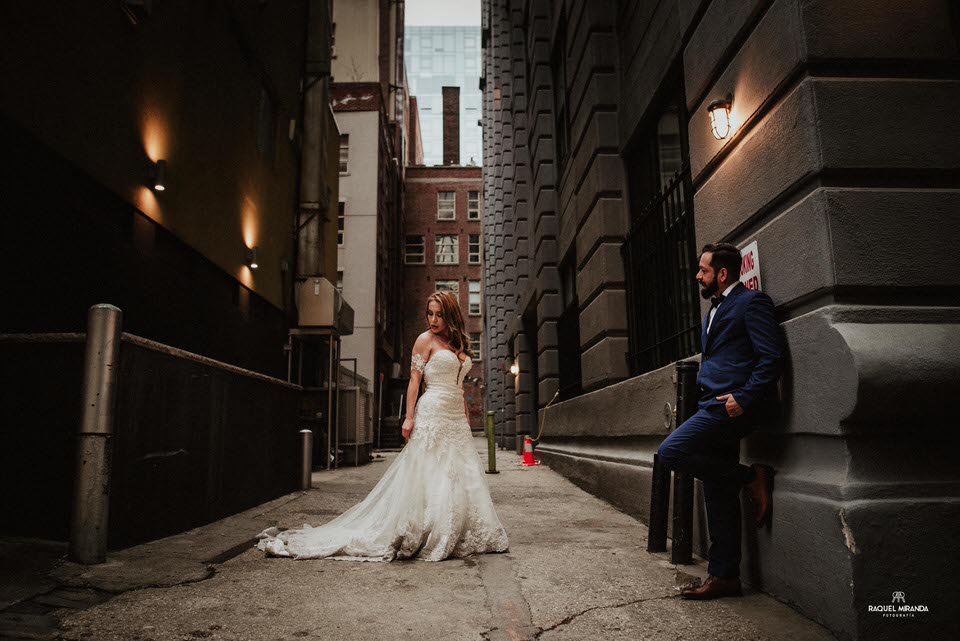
421	354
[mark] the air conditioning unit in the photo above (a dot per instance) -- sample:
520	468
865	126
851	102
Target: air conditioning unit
322	305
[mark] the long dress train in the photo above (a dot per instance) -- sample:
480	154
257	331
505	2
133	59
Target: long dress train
432	502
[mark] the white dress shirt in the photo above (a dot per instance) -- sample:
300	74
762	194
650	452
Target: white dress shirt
713	310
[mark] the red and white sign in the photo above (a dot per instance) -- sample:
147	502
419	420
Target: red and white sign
750	266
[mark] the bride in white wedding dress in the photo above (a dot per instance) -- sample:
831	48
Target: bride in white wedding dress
433	501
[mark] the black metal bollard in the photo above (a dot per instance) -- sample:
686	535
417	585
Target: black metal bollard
687	396
659	507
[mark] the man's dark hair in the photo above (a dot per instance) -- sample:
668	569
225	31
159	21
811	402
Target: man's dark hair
724	255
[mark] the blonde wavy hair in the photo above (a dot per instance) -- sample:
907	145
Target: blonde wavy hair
453	317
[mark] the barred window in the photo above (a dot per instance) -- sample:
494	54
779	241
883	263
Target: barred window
473	249
344	152
341	221
448	250
474	298
452	286
446	205
414	250
475	341
473	205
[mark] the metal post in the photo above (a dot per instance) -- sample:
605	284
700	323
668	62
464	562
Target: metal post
91	494
659	507
660	494
682	551
491	446
379	411
336	404
306	461
330	398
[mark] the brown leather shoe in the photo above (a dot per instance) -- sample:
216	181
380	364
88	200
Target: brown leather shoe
713	588
759	491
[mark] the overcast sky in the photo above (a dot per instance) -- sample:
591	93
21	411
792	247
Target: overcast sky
442	13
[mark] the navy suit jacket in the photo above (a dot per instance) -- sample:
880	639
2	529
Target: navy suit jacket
741	354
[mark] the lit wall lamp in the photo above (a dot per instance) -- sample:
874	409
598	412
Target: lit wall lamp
720	117
158	175
251	258
514	368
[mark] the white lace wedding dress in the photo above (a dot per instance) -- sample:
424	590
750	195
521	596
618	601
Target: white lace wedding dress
432	502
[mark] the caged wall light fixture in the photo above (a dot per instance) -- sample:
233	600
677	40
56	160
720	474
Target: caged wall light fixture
720	117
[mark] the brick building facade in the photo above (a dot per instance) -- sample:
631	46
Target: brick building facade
443	252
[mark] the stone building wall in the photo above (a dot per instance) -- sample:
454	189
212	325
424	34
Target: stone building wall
841	165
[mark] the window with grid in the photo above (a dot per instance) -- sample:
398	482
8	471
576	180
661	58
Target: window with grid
473	205
452	286
414	250
344	152
660	256
475	341
341	221
446	205
473	249
474	309
448	250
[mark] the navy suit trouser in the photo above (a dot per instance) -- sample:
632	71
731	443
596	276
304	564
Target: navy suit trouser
707	446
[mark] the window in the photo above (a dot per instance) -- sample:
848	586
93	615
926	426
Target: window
568	332
414	250
475	341
473	205
340	281
452	286
473	249
559	69
344	152
333	40
341	221
474	309
446	205
660	253
448	250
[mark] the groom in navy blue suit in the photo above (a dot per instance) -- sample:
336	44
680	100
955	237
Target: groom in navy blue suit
739	366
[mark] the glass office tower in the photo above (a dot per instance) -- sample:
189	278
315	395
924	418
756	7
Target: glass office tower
438	57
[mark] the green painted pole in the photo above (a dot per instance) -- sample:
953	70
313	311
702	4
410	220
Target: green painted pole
491	446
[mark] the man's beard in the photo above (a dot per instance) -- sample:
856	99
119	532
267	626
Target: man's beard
709	290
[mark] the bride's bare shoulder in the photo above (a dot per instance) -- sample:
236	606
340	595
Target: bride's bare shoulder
424	342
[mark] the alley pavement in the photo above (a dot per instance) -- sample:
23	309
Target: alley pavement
577	569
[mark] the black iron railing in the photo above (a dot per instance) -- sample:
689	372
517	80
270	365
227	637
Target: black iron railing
660	257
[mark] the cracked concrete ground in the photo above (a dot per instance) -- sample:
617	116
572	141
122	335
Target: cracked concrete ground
577	569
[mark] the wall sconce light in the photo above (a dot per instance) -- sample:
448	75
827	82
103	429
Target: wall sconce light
720	117
158	175
251	258
514	369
